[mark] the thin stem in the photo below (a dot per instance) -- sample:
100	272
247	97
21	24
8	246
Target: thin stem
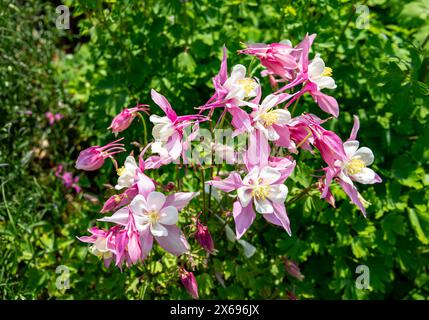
144	127
203	181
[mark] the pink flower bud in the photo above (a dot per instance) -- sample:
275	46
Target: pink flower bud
124	119
204	237
189	281
293	269
93	158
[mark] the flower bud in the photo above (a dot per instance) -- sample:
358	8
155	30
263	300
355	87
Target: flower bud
124	119
93	158
204	237
189	282
293	269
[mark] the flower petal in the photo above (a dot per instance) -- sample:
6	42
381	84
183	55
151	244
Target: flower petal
243	217
366	176
244	195
278	193
155	201
175	242
138	205
158	230
350	147
263	205
269	174
169	215
366	155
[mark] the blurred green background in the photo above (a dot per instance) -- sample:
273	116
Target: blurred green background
110	58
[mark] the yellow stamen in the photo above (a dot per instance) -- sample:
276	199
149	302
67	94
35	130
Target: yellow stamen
260	192
248	84
153	216
355	166
327	72
120	171
269	118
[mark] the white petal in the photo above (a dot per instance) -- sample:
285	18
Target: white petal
138	205
159	148
272	134
169	215
158	230
263	206
155	200
269	175
130	164
245	195
119	217
316	67
326	82
238	72
278	193
365	154
125	181
251	176
282	115
157	119
366	176
142	222
350	147
269	102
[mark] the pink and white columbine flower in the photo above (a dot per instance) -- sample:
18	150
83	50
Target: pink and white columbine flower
239	86
124	119
102	245
155	216
168	132
261	186
352	167
268	120
93	158
132	177
262	189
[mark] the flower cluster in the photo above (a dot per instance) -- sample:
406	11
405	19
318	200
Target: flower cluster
142	214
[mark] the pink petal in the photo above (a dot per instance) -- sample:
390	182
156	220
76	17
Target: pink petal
175	242
163	103
243	218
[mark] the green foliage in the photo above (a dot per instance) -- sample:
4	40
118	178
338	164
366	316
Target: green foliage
111	58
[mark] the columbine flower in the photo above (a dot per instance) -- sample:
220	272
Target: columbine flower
239	86
260	186
127	173
151	213
93	158
101	246
320	75
155	216
355	166
124	119
352	167
168	131
270	121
